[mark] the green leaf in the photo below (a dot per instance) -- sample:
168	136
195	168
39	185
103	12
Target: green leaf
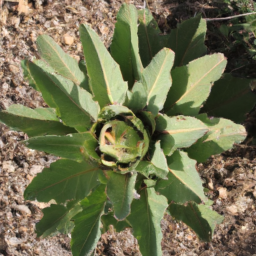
148	120
150	39
105	77
192	84
156	79
61	62
76	146
156	166
137	98
34	122
187	41
184	183
120	189
74	104
27	75
231	97
222	134
109	219
198	217
109	112
124	48
56	217
87	223
145	218
85	83
64	180
178	132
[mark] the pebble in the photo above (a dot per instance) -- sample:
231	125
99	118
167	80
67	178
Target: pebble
35	169
21	208
232	209
14	69
14	241
68	40
8	166
222	192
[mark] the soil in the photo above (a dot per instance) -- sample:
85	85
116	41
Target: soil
229	177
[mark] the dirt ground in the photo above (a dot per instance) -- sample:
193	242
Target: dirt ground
230	177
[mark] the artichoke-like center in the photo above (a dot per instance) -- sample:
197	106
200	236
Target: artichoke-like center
120	142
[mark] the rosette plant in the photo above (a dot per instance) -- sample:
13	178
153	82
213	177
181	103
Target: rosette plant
127	129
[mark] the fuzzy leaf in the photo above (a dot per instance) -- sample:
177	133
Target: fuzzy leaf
145	218
137	98
120	192
150	39
192	84
56	217
222	134
187	41
231	97
34	122
179	132
77	146
64	180
87	223
74	104
111	111
109	219
156	166
148	120
198	217
124	48
184	183
156	79
61	62
105	77
85	83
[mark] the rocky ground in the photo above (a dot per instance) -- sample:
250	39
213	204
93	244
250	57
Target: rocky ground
230	177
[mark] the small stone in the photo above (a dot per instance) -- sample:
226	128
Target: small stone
22	208
15	21
222	192
9	215
232	209
8	166
23	7
14	69
37	251
5	87
35	169
29	177
68	40
210	185
14	241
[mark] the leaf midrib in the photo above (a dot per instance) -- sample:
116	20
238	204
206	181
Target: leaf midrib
68	96
182	130
64	63
186	184
158	76
68	178
196	83
226	135
96	221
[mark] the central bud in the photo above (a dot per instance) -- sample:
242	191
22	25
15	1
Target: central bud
123	141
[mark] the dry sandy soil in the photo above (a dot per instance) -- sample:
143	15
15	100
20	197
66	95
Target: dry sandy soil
230	177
